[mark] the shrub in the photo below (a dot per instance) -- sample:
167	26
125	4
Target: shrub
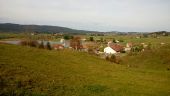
107	58
137	48
91	51
66	37
120	40
113	58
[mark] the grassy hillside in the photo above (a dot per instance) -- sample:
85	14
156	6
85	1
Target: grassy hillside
31	71
157	58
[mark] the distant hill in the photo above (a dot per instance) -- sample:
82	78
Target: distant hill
17	28
163	33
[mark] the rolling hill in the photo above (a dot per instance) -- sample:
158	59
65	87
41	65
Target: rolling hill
16	28
39	72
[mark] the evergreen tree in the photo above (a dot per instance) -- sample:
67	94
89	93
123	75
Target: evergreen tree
48	46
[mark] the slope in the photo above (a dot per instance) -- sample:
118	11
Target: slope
157	58
31	71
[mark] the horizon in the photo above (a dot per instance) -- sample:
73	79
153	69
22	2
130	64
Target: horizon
88	30
92	15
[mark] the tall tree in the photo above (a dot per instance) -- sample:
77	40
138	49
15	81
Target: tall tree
48	46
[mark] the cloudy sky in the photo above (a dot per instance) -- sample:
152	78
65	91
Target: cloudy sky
100	15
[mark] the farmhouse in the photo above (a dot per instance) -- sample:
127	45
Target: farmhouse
109	50
117	47
113	48
128	47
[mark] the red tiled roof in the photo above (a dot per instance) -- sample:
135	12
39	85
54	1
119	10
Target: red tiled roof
116	47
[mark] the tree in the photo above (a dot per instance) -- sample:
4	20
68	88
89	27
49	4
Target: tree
48	46
114	40
91	39
66	37
75	43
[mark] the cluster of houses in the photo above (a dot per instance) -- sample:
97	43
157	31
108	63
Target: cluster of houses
83	45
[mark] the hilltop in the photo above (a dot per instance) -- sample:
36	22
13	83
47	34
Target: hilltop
32	71
17	28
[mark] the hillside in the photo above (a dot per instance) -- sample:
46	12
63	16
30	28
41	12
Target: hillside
17	28
156	59
32	71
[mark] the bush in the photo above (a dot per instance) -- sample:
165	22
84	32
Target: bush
91	51
137	48
107	58
66	37
113	58
120	40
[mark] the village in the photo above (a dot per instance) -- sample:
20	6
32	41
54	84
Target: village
84	48
106	46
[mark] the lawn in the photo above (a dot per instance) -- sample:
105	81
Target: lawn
40	72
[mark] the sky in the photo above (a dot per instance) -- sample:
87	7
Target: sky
96	15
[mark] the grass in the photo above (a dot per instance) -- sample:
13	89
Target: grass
39	72
155	59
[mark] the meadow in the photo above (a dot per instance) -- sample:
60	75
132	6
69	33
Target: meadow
38	72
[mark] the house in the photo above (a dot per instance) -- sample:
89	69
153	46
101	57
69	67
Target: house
144	45
62	40
117	47
109	50
58	46
65	43
128	47
113	48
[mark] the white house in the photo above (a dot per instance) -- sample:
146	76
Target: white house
62	40
109	50
65	43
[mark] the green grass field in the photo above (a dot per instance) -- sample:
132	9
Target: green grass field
39	72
